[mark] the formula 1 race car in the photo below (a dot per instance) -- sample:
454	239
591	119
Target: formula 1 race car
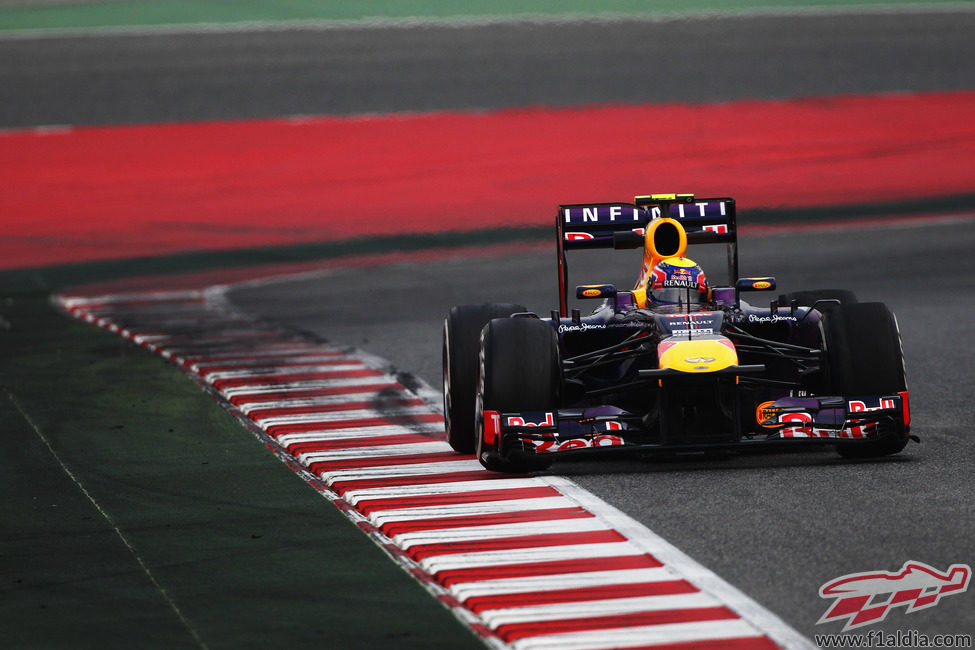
675	364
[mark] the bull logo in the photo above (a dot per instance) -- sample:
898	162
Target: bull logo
866	598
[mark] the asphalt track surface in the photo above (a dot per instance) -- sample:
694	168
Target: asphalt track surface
776	526
147	76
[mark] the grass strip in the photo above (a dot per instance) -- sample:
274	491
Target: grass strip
138	513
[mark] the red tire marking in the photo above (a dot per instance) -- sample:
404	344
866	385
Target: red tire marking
552	514
259	414
353	443
271	380
277	430
580	594
206	370
382	461
553	567
343	486
749	643
515	631
422	551
369	506
256	398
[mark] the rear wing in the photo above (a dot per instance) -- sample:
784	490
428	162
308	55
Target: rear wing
584	226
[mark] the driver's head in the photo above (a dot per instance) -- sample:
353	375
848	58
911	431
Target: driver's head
676	281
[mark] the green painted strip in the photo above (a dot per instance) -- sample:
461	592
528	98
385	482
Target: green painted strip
138	513
42	15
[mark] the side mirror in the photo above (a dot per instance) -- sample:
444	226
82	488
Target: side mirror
591	291
755	284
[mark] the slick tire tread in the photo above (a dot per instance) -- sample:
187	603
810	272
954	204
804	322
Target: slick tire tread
865	357
520	370
461	343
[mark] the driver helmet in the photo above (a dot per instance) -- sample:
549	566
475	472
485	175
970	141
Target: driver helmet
676	281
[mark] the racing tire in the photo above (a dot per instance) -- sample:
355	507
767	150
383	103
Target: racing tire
808	298
461	343
865	357
520	370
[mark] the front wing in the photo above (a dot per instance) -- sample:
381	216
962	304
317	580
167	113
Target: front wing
784	422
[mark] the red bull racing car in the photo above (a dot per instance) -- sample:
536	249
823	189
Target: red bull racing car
676	364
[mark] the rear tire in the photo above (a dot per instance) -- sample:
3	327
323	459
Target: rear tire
461	342
520	370
865	357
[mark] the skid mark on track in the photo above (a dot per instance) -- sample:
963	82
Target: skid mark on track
528	562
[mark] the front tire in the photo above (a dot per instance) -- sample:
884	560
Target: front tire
520	370
865	357
461	342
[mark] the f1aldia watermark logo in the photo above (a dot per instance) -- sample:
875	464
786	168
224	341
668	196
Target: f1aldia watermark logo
867	598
